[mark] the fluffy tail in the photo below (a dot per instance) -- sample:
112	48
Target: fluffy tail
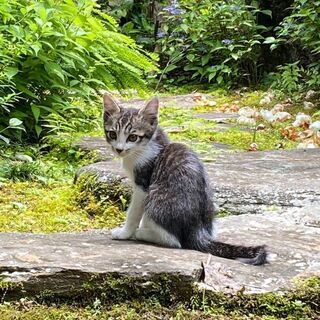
251	255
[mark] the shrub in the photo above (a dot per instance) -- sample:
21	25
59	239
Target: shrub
212	41
55	51
300	30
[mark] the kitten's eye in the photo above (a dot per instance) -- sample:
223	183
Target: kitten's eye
112	135
132	138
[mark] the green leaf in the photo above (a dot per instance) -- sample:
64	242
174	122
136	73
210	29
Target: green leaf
234	56
23	89
36	112
3	138
74	82
54	68
171	67
11	72
38	129
205	60
267	12
190	57
269	40
220	79
43	13
14	122
211	76
36	48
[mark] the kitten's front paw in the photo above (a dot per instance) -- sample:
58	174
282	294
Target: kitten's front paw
121	234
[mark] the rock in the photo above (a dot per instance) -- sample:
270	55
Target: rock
307	145
308	105
101	181
267	99
246	121
248	112
277	108
257	181
96	144
311	94
315	126
282	116
302	120
248	182
66	264
187	101
69	264
267	115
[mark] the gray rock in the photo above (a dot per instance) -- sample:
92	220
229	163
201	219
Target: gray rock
251	182
65	263
96	144
186	101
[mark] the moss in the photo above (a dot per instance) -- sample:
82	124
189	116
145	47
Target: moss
38	208
114	190
223	213
299	303
124	298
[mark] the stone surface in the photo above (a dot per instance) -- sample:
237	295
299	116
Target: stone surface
64	262
253	182
96	144
182	101
219	117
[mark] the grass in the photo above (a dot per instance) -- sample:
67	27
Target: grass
39	196
133	311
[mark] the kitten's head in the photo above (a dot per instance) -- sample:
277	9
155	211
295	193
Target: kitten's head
129	130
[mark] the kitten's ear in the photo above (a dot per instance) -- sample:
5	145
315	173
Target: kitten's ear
110	106
150	111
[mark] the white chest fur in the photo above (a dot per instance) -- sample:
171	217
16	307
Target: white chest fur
139	158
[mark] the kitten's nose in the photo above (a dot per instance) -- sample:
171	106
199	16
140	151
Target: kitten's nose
119	150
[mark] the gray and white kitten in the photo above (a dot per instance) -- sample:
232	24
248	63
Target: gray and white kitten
171	203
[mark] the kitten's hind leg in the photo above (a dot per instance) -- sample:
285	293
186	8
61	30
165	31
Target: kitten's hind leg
149	231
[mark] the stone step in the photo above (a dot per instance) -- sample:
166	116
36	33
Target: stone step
246	182
69	264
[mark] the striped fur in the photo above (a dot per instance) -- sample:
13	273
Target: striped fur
172	203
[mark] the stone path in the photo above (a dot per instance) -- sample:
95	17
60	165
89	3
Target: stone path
274	199
64	263
251	182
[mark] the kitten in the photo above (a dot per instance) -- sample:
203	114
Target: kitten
171	203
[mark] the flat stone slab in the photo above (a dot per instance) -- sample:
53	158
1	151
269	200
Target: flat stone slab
186	101
64	262
219	117
96	144
251	182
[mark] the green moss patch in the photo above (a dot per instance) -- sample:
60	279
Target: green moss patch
124	298
33	207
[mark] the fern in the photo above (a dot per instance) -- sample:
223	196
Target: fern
54	51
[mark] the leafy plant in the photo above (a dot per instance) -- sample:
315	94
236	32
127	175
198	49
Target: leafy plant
214	41
301	31
52	52
137	19
289	77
